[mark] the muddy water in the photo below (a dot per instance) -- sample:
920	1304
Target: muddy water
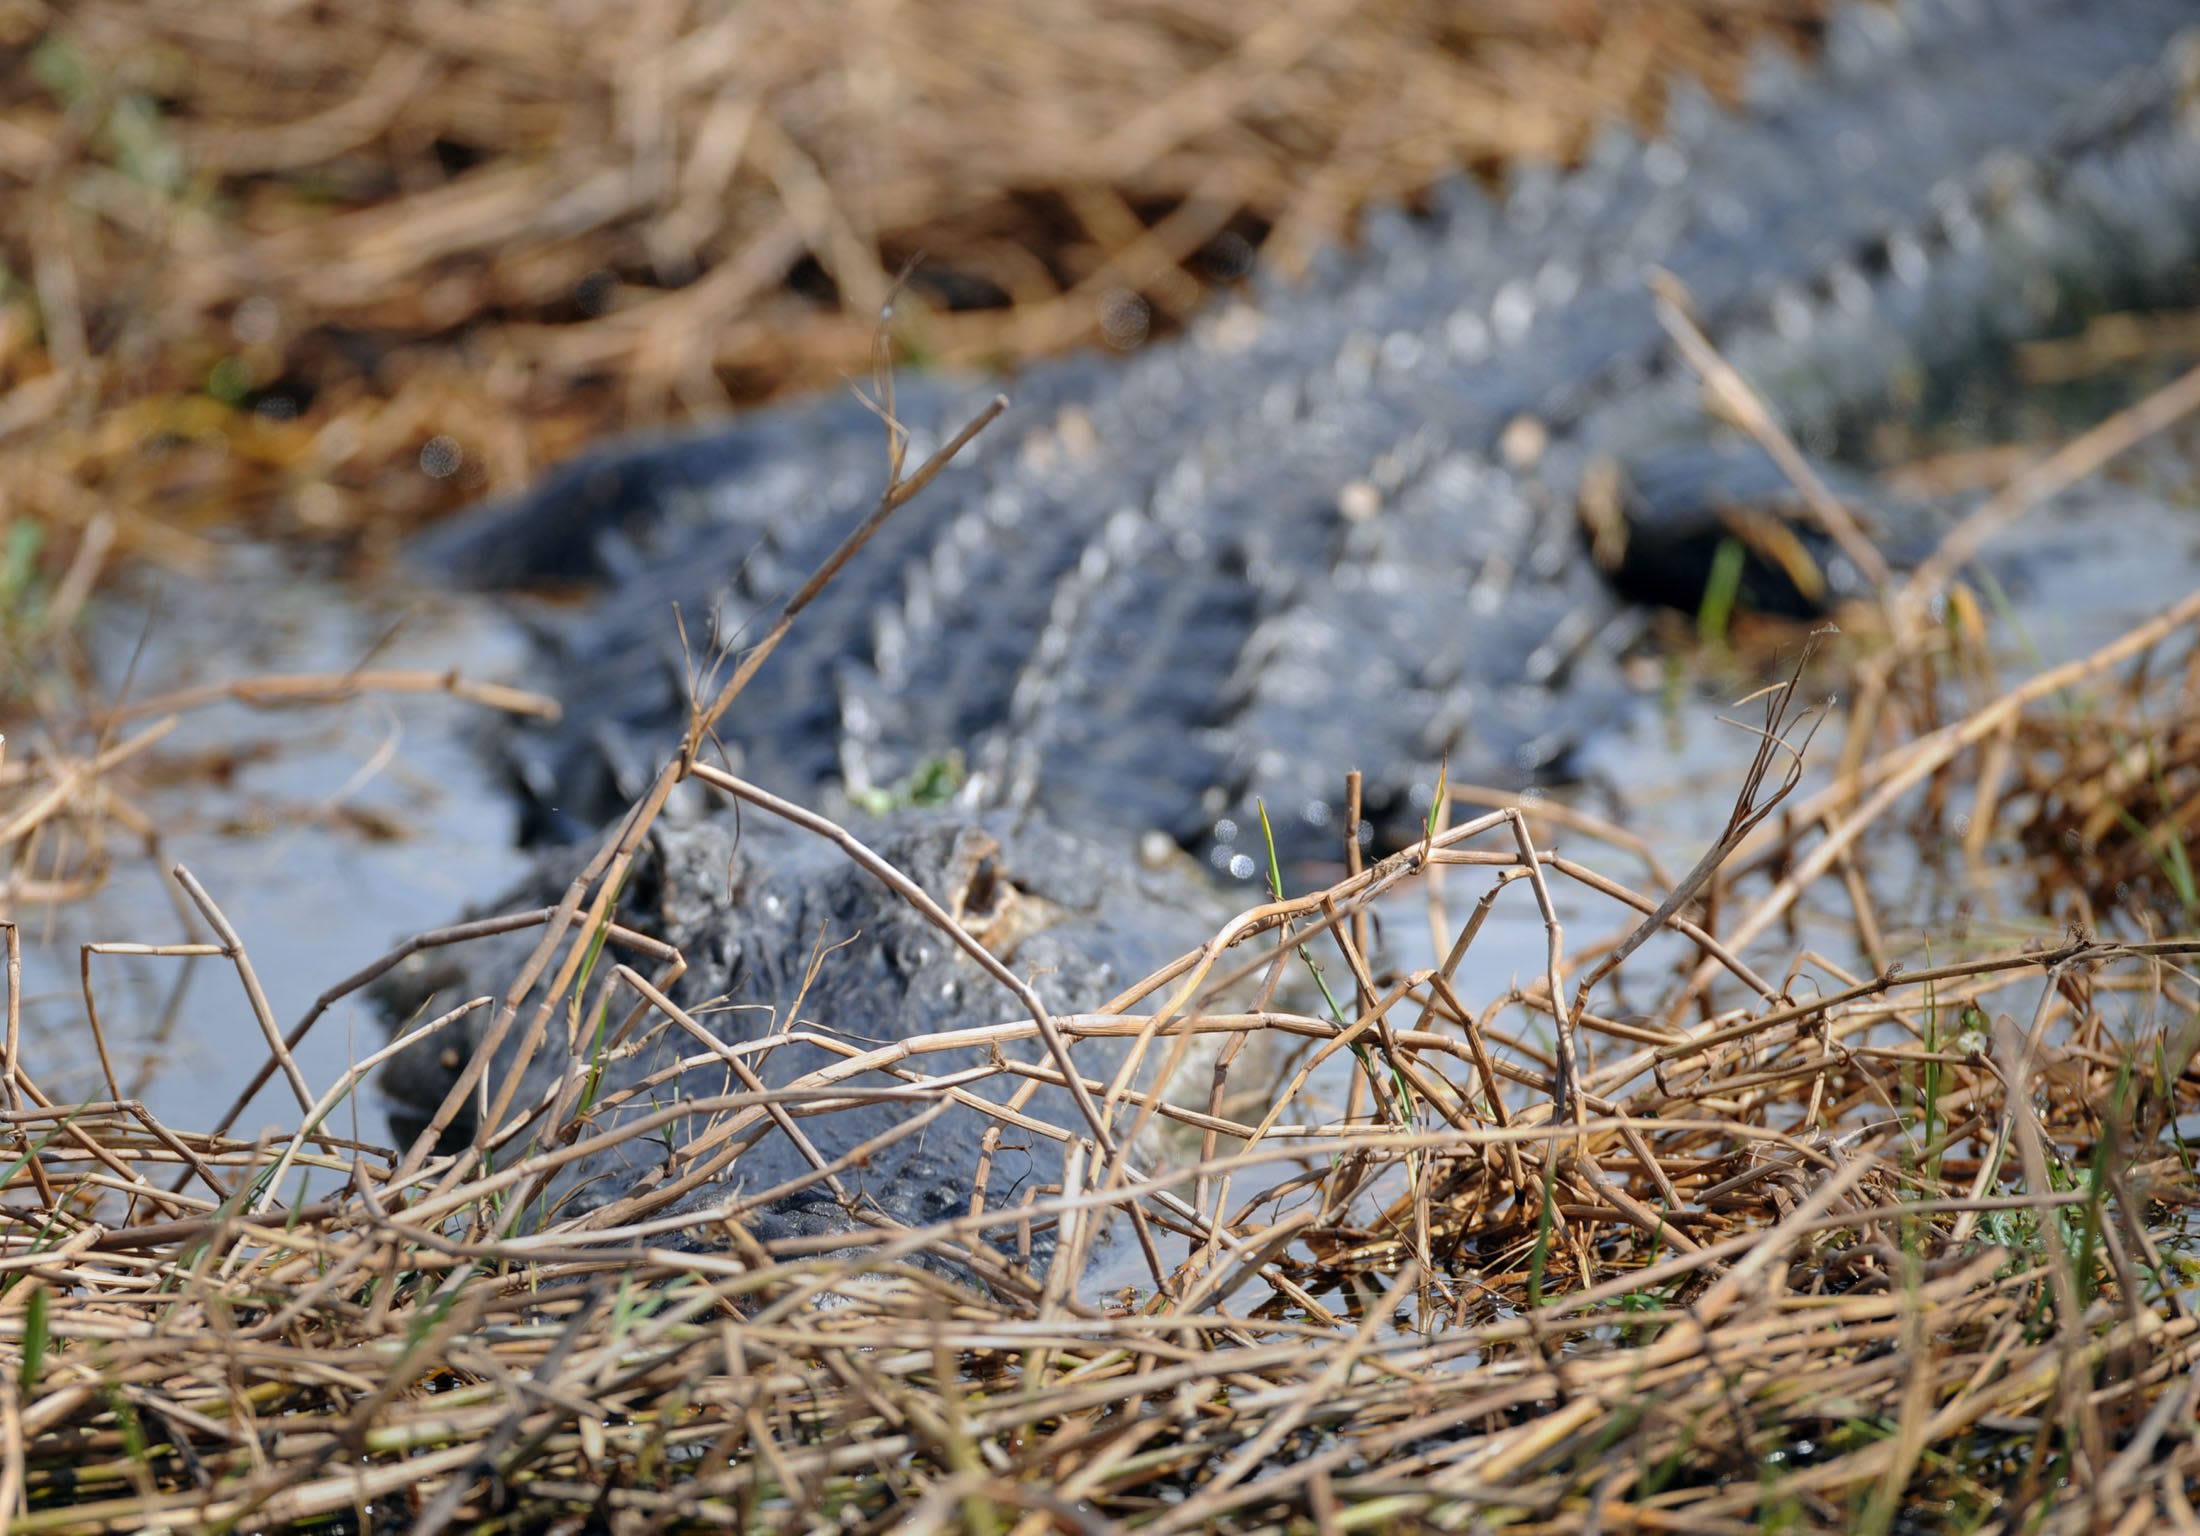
338	830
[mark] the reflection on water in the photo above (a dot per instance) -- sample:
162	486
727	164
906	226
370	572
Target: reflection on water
326	833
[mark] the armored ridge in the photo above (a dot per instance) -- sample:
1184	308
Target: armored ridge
1284	545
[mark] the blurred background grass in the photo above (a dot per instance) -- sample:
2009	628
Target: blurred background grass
323	271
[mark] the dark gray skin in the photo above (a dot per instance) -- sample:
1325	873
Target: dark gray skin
753	904
1288	544
1293	542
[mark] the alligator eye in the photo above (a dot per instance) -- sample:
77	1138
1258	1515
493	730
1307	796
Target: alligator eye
982	894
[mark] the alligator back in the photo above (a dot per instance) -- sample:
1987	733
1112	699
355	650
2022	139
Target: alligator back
1286	544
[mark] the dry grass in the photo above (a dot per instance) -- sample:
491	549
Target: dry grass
1654	1239
1660	1238
334	268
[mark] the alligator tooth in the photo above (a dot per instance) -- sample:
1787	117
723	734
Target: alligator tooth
889	642
1959	225
1400	351
1665	163
1355	366
1556	282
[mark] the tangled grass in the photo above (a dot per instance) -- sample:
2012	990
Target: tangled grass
1667	1236
1701	1228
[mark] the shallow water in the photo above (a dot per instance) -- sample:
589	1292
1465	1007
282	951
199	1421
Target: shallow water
329	833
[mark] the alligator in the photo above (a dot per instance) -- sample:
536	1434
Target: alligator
1334	525
764	916
1291	542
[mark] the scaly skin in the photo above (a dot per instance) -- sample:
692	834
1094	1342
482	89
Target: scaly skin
1288	543
783	935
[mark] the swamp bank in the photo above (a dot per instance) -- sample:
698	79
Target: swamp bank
1742	1080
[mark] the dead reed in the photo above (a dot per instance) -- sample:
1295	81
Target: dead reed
1698	1227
